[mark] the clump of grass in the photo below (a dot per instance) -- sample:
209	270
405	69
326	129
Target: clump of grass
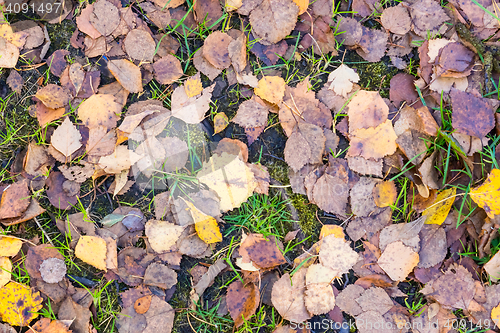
261	214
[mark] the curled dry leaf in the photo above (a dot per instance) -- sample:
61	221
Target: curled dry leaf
208	278
92	250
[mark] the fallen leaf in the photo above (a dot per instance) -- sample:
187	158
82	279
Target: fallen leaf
204	66
66	138
139	45
439	210
427	16
288	296
53	96
208	12
121	159
487	196
346	300
398	260
45	325
105	17
341	80
273	20
396	19
5	269
129	321
215	49
263	253
366	110
319	298
230	178
220	122
191	110
128	74
305	145
142	304
232	5
99	110
408	233
15	199
433	245
160	276
208	278
159	317
193	86
168	69
10	246
162	235
242	301
92	250
19	305
385	194
271	88
15	81
373	142
471	115
362	197
53	270
335	253
376	299
238	54
9	54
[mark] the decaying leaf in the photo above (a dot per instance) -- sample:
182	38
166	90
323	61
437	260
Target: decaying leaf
99	110
19	305
45	325
220	122
191	109
53	270
121	159
305	145
208	278
242	301
215	49
140	45
92	250
168	69
288	296
273	20
53	96
263	253
374	142
336	254
128	74
15	200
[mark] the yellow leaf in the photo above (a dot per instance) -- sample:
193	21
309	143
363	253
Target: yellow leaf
92	250
205	225
495	314
302	4
385	194
487	196
9	246
5	269
220	122
18	304
332	229
193	86
232	5
271	88
438	211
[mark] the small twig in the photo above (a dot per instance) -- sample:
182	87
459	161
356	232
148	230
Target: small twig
43	231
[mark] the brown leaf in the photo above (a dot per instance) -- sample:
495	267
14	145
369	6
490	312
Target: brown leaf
264	253
208	278
215	49
66	138
375	298
455	60
15	81
396	20
128	74
53	96
159	317
105	17
204	66
162	235
37	255
366	109
433	246
15	200
168	69
373	44
121	159
33	210
160	276
46	115
335	253
252	113
238	53
346	300
427	16
101	142
373	142
242	301
331	192
142	304
471	115
362	199
273	20
139	45
305	145
45	325
288	296
129	321
83	22
57	196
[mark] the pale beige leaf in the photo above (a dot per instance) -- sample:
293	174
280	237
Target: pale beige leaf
287	296
191	110
336	254
342	79
398	260
66	138
121	159
162	235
